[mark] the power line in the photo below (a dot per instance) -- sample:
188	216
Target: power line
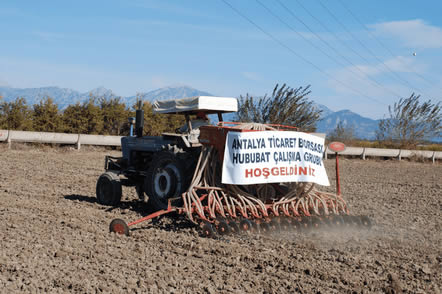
380	42
296	54
331	32
366	48
373	81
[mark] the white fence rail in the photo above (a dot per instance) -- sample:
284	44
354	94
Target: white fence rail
58	138
100	140
363	152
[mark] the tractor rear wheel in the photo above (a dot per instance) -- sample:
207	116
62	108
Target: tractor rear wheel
165	179
108	189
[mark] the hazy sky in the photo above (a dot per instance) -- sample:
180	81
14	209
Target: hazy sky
362	64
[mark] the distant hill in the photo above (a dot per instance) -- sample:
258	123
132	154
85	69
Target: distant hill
64	97
364	127
325	110
167	93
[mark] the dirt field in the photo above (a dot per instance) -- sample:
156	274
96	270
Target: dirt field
54	236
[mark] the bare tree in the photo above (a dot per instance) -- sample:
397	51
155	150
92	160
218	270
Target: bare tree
342	133
288	106
411	121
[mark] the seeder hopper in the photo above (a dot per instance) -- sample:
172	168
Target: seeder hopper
241	177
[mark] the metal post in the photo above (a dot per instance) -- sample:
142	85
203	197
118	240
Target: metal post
338	182
78	142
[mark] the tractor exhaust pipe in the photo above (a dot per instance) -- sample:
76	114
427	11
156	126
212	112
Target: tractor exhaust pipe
139	120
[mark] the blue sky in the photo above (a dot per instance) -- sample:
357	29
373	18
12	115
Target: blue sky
133	46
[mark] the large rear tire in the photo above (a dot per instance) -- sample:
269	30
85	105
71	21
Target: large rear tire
108	189
165	179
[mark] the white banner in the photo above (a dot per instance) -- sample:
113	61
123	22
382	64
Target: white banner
273	157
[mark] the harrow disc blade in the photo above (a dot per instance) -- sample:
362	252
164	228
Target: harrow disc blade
365	221
207	230
274	225
306	222
326	220
223	228
284	224
234	227
337	220
245	225
356	220
350	220
119	226
315	222
296	223
264	228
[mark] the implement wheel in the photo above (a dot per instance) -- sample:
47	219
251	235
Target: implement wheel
108	189
119	226
165	179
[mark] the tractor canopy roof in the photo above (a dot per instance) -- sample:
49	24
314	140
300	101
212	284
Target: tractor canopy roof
193	105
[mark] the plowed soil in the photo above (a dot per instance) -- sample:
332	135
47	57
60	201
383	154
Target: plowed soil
54	236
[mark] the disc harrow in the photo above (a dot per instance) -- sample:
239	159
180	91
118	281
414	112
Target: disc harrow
221	209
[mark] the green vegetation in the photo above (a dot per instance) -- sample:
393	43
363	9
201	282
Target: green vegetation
286	106
411	122
341	133
97	115
15	115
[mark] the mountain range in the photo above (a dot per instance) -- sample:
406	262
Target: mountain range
363	127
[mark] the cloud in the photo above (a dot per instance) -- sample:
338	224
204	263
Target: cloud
398	64
253	76
413	33
375	80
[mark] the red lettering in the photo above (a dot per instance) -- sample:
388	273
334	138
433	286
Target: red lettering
257	172
265	172
275	171
249	172
302	170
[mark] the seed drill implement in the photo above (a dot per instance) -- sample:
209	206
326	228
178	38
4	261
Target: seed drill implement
229	177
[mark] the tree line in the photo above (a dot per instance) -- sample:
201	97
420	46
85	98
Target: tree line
96	115
410	122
